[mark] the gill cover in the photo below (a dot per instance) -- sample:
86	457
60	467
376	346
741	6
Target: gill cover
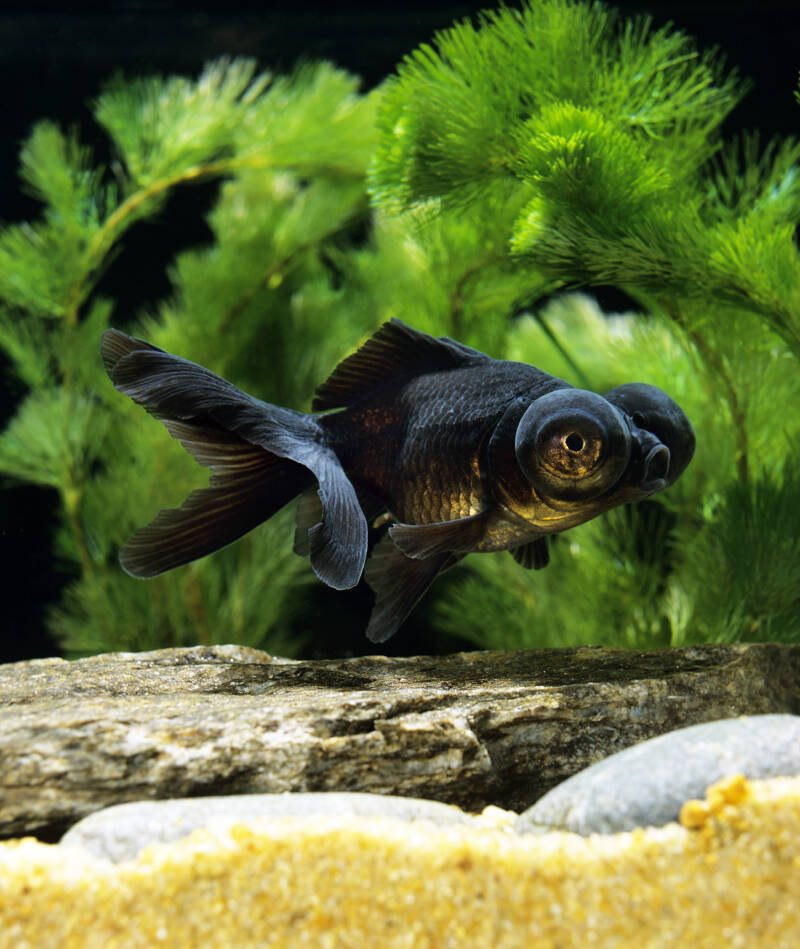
572	444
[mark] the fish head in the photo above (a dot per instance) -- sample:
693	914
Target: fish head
585	453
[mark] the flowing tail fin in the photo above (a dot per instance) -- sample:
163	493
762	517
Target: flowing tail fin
260	456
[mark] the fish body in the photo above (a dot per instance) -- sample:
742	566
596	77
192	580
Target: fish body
459	451
420	448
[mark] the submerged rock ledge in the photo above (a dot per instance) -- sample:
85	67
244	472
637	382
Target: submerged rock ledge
470	729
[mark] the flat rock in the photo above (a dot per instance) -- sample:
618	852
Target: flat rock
469	729
646	785
119	833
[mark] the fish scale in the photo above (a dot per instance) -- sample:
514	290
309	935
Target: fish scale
432	447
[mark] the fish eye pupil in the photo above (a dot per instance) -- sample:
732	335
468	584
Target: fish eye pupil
573	442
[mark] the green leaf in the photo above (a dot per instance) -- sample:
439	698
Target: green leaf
26	343
242	595
747	179
584	167
753	540
312	122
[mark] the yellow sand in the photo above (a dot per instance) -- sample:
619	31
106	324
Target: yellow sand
729	878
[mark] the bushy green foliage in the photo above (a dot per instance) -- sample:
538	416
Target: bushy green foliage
533	153
606	131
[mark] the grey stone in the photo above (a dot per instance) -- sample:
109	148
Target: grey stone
646	785
469	729
119	833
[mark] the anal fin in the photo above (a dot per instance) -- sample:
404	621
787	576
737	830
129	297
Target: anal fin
399	583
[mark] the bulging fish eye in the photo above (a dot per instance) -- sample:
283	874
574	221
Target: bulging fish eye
572	453
572	444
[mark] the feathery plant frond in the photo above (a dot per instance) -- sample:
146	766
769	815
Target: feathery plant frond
608	587
314	121
756	597
52	438
58	171
747	177
38	263
211	602
170	132
26	343
168	128
269	232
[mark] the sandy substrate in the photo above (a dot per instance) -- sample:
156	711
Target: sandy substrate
728	876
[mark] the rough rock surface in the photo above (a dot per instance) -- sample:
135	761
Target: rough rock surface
470	729
647	785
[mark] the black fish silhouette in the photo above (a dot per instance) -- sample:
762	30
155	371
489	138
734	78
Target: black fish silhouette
464	452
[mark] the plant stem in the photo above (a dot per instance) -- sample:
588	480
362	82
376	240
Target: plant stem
104	239
458	298
579	373
71	496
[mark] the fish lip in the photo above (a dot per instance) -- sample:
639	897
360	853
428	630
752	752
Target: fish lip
654	485
657	459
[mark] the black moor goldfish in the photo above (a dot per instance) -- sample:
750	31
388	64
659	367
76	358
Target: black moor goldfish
461	452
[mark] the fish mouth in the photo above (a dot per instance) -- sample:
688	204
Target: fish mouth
656	469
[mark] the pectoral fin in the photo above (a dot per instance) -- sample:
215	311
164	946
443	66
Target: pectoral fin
420	541
399	582
533	555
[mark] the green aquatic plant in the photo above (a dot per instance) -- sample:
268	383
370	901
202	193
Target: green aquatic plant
466	206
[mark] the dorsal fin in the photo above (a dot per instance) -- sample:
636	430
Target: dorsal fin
393	350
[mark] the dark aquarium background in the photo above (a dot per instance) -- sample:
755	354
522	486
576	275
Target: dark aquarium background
55	57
